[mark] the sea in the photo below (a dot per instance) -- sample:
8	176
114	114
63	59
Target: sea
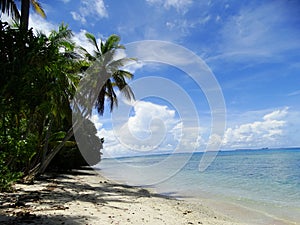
257	186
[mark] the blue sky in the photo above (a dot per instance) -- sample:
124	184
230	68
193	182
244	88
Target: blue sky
251	47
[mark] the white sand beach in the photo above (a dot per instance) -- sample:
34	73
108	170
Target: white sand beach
85	197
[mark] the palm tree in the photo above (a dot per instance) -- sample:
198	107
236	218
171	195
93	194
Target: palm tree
10	7
60	82
109	67
25	6
105	53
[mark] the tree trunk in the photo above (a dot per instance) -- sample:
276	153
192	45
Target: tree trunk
45	148
25	6
42	166
53	153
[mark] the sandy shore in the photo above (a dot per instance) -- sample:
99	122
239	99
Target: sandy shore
84	197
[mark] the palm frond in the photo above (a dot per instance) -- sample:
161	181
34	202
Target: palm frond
109	68
83	51
100	102
126	74
111	43
120	63
120	82
92	40
111	95
38	8
10	8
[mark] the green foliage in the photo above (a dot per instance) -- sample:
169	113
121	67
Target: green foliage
7	177
105	53
39	75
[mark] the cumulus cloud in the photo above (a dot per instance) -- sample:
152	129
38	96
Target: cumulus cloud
150	129
154	129
41	25
90	8
266	132
97	122
275	115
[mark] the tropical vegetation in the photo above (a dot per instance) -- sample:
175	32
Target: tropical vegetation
40	75
10	8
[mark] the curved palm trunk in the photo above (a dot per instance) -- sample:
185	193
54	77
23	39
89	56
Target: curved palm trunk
25	6
42	166
52	154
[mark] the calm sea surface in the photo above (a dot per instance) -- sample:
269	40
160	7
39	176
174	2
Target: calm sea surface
263	181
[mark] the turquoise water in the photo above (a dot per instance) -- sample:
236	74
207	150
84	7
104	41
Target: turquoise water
265	181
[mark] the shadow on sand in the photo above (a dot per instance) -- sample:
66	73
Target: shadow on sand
57	190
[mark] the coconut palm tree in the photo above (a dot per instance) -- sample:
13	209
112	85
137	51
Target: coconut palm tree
106	66
105	53
10	7
25	6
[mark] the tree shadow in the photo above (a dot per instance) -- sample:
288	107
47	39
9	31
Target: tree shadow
31	218
57	190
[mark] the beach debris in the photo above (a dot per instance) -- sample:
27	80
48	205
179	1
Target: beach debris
187	212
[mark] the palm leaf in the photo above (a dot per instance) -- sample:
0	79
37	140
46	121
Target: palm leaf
37	7
100	102
111	43
92	40
120	63
111	95
126	74
120	82
10	7
108	65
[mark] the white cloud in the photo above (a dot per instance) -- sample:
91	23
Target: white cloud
294	93
41	25
257	32
277	114
155	129
90	8
267	132
134	66
81	40
76	16
151	129
65	1
97	122
36	21
179	5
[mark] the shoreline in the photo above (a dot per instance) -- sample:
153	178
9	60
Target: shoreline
247	214
86	197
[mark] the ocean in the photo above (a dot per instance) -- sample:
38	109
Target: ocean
259	186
